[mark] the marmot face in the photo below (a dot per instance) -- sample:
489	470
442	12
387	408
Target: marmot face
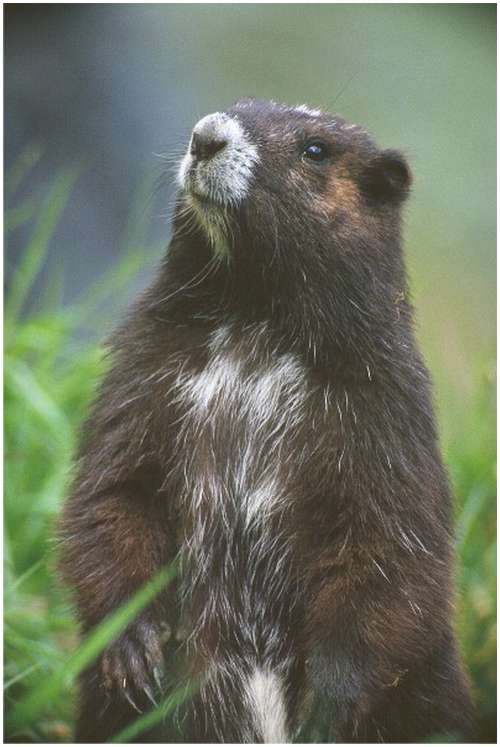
263	174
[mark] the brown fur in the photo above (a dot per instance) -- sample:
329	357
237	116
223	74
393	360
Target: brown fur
347	592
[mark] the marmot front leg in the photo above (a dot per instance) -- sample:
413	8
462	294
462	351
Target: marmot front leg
114	541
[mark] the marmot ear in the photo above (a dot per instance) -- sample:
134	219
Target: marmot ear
387	177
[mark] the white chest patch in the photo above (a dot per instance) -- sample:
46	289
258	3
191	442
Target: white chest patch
243	413
220	379
274	393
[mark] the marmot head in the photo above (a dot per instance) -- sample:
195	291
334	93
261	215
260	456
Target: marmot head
275	173
302	210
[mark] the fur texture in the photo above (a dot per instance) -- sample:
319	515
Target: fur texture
268	416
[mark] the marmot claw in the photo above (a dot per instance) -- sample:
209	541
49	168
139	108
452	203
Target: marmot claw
128	663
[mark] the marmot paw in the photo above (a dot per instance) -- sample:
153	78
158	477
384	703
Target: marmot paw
133	664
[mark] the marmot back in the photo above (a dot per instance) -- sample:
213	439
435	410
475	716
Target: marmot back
268	417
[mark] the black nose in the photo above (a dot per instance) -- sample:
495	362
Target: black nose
204	147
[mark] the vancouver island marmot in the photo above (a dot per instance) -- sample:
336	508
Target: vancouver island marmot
267	416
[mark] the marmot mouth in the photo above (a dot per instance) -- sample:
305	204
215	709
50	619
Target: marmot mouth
214	219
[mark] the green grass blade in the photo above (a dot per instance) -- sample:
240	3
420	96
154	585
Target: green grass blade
26	161
36	701
109	285
35	254
20	676
21	381
154	717
21	214
25	576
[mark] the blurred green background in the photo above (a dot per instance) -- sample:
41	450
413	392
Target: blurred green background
91	93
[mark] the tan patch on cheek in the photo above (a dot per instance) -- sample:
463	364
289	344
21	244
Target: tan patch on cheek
342	200
343	194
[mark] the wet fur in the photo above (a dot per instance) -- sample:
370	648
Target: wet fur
269	418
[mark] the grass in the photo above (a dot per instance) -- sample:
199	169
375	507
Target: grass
50	376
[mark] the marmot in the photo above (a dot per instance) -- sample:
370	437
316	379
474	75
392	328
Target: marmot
268	417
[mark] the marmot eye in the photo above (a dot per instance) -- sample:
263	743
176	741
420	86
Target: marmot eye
315	151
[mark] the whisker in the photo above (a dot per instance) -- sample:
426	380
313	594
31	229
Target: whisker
211	264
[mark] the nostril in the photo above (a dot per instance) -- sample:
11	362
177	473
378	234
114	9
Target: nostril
203	147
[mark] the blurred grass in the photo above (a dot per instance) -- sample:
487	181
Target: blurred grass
49	380
52	363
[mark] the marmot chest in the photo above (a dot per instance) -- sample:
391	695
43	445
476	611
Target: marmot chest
249	424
